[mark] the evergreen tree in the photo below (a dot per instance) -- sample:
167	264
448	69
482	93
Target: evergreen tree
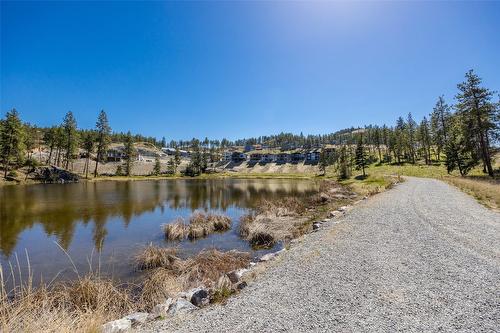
70	137
411	126
171	167
88	146
425	140
157	167
361	159
50	141
323	161
177	158
343	163
11	141
103	138
475	106
130	154
439	125
163	142
460	151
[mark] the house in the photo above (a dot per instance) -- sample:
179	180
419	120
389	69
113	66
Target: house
297	156
268	158
171	152
282	158
227	156
249	147
115	155
255	157
313	155
238	156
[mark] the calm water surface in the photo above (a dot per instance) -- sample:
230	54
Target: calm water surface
109	221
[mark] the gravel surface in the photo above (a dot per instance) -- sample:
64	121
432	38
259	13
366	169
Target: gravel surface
423	257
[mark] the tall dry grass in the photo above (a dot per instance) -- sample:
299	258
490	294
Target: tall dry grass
81	305
200	225
87	302
486	191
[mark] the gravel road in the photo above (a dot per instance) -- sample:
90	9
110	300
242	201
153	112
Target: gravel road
423	257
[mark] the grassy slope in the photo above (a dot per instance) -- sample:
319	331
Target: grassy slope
483	188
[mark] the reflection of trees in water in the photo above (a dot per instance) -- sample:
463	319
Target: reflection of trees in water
58	208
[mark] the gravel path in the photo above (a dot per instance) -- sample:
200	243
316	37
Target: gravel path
423	257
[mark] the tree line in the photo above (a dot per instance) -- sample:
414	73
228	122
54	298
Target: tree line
465	134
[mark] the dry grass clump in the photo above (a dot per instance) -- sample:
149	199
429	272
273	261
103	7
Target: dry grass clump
288	206
209	265
152	256
81	305
177	230
245	222
159	285
200	225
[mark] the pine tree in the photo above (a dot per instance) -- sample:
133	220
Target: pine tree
460	151
171	167
11	140
425	139
177	158
323	161
476	108
103	133
411	126
88	146
49	139
157	167
440	118
163	142
70	137
361	159
130	154
343	163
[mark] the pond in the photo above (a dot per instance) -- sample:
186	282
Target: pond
109	221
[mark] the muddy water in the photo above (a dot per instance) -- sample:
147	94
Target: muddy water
106	222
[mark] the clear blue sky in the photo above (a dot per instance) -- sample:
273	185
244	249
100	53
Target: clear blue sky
235	70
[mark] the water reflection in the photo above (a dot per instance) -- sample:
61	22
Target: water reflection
61	209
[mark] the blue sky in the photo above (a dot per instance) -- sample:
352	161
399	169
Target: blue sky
220	69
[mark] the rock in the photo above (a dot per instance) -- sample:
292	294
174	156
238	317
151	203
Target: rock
334	213
324	197
267	257
200	298
161	310
253	264
316	226
138	318
233	276
223	283
340	196
181	306
241	285
343	208
325	220
117	326
52	174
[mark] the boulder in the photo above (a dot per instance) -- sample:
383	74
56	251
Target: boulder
233	276
316	226
324	197
267	257
53	174
161	310
138	318
240	285
200	298
181	306
117	326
